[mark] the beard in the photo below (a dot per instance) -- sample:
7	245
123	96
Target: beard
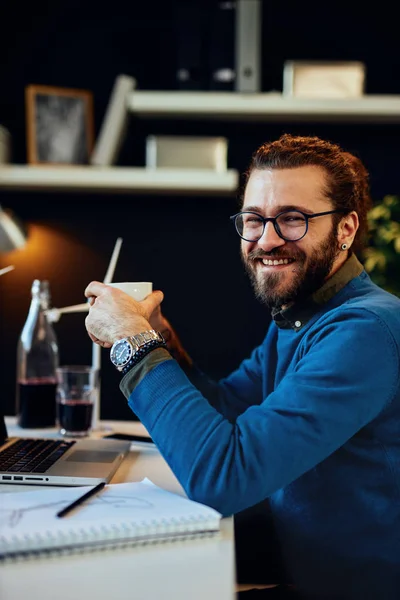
310	271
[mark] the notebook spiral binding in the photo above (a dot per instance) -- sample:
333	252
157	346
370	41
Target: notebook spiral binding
106	537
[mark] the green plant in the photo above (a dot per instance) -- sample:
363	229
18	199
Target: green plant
382	256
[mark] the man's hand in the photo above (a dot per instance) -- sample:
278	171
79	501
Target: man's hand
114	315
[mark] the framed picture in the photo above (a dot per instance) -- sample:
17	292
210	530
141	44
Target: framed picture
323	79
60	125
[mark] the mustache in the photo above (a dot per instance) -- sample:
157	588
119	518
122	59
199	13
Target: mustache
275	253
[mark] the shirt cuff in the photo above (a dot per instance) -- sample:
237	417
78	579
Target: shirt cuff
135	375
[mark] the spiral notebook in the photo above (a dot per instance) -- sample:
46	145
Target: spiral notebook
122	514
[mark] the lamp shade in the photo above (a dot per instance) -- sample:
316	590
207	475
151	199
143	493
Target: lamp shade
12	234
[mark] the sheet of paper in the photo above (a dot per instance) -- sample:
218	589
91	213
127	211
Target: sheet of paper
122	502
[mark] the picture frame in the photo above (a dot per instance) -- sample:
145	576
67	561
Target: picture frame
59	125
323	79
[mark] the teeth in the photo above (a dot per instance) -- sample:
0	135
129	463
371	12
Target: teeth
274	263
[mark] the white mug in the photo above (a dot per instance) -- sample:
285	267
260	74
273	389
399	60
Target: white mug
137	289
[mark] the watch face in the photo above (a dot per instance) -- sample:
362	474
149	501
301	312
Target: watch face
121	353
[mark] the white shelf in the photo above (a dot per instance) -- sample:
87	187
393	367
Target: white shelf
117	180
264	107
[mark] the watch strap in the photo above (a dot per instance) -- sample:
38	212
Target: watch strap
141	353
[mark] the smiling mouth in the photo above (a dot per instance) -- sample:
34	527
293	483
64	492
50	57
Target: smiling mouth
274	262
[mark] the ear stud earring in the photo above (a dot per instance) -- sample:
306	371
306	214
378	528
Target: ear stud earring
343	246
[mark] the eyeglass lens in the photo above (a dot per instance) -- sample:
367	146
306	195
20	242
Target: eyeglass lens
291	225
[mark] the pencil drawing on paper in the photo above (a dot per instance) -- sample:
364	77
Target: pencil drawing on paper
13	517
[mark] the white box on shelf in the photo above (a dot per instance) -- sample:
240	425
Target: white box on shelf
186	152
323	79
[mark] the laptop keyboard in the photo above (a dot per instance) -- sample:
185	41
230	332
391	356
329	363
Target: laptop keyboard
32	455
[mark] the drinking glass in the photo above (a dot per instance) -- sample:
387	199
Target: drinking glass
77	386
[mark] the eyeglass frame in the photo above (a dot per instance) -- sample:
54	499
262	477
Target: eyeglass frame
273	220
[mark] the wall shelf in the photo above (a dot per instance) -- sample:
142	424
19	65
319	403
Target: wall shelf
203	105
264	107
127	180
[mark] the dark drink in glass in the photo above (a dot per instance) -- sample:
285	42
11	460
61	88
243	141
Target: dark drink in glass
74	417
77	390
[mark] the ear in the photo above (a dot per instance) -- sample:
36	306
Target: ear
347	229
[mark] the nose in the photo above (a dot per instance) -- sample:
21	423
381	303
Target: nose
270	239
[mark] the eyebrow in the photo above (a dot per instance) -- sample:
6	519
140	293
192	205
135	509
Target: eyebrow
278	209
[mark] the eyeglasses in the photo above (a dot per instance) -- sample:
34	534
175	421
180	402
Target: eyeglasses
290	225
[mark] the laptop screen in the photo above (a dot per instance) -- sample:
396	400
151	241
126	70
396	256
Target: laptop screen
3	429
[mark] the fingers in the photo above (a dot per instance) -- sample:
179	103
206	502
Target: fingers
95	288
152	302
99	342
92	337
114	314
105	344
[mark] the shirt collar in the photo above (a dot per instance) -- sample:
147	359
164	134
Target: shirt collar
297	315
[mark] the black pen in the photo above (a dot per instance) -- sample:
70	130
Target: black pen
80	500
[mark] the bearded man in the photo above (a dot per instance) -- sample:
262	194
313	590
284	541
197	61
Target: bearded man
302	442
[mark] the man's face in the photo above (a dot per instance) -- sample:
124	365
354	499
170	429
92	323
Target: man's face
311	260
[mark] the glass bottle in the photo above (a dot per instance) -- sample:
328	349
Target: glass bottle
37	360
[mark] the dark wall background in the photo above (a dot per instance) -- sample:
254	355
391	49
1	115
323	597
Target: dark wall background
185	245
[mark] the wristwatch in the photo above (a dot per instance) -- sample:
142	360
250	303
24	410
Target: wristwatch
127	352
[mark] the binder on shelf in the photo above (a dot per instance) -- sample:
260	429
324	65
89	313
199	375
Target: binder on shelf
122	514
248	39
191	43
235	46
221	46
113	128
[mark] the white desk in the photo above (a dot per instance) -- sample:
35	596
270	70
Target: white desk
201	569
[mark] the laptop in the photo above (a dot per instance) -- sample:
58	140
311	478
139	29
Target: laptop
50	461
